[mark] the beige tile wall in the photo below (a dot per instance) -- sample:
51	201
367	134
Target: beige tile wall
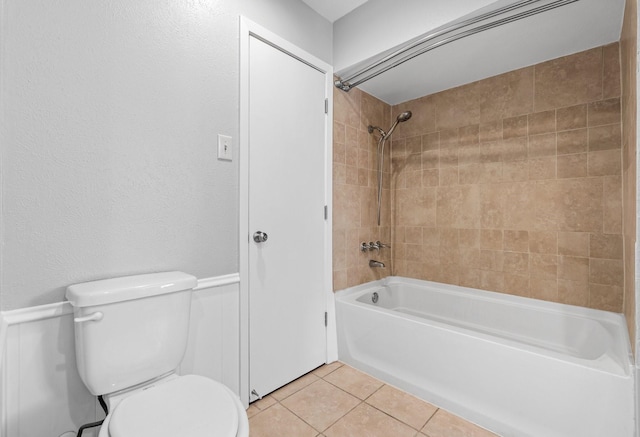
355	189
628	50
511	184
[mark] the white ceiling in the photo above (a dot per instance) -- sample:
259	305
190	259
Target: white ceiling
566	30
334	9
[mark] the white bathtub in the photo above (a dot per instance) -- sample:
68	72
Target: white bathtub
517	366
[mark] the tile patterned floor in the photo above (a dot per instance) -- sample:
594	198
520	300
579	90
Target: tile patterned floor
336	400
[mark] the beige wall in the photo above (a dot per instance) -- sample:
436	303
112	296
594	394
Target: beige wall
510	184
628	50
355	188
513	183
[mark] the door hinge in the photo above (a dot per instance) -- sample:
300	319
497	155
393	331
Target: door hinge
326	106
326	212
325	318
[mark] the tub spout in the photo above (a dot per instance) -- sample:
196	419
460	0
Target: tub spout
374	263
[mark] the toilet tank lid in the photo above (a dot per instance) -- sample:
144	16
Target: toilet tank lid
128	288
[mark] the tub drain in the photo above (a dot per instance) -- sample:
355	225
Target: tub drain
374	297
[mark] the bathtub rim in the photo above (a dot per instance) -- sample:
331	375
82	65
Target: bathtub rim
625	362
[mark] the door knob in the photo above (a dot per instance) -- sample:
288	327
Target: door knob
260	237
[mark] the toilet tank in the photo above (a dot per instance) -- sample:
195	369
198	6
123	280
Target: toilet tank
130	330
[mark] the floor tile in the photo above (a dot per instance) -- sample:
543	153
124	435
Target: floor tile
323	371
403	406
445	424
366	421
294	386
353	381
264	403
320	404
328	402
277	421
252	411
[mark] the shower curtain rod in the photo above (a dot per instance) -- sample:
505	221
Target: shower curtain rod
432	41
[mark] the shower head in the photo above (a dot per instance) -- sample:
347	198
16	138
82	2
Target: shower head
401	118
404	116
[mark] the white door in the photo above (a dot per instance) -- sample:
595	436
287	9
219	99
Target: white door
287	334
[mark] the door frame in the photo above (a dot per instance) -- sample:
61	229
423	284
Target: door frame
250	29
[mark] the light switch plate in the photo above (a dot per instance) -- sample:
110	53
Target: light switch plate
225	148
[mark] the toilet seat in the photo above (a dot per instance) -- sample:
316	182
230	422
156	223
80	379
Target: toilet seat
187	406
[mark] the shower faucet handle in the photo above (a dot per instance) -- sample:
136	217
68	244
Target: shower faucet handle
368	247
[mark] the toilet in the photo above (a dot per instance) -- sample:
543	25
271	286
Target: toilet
131	335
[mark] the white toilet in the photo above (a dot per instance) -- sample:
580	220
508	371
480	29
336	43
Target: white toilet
131	334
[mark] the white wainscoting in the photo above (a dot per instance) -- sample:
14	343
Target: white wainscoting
41	394
214	335
637	393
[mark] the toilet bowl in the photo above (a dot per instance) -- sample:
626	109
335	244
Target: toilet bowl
131	335
185	406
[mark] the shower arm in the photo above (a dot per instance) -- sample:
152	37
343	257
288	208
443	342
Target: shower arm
380	131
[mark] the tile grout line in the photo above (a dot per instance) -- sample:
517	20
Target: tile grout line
364	401
312	427
328	382
400	420
361	401
431	417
